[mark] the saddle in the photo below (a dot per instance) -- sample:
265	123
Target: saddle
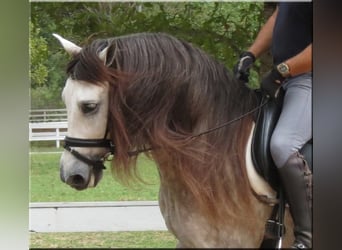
265	122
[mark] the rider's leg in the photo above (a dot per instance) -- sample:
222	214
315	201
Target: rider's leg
292	131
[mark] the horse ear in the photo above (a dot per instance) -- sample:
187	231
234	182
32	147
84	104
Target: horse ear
103	55
69	47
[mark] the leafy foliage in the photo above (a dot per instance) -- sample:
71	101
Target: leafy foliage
38	55
222	29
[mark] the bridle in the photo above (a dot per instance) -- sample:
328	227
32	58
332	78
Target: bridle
70	142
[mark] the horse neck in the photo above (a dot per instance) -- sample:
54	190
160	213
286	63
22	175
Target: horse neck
222	173
234	216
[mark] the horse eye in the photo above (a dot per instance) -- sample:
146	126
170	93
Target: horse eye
89	107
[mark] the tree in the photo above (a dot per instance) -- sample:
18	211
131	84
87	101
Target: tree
222	29
38	55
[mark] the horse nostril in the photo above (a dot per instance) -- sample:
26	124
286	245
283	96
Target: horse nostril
77	182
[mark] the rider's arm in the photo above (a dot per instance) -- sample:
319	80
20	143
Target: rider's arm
301	63
264	38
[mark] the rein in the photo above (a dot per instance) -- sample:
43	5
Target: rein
231	121
70	142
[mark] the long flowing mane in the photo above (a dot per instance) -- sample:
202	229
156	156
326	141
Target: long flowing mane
162	92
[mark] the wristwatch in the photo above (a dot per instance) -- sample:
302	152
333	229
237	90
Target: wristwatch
283	69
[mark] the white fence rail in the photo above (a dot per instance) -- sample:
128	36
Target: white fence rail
48	131
48	115
48	125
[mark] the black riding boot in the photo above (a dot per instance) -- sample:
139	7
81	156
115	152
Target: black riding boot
297	182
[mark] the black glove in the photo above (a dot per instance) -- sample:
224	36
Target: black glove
271	83
241	68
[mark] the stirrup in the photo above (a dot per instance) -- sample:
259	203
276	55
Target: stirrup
275	227
299	246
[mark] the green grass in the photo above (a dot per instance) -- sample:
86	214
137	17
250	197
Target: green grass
46	186
148	239
41	147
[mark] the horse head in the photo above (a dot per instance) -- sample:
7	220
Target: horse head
87	111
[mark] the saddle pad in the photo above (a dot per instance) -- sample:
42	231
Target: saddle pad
258	184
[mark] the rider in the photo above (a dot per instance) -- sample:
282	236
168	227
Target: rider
288	32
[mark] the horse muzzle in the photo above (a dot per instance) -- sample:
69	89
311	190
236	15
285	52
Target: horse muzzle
79	170
78	174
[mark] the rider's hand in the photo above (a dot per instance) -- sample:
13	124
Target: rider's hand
241	68
271	83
